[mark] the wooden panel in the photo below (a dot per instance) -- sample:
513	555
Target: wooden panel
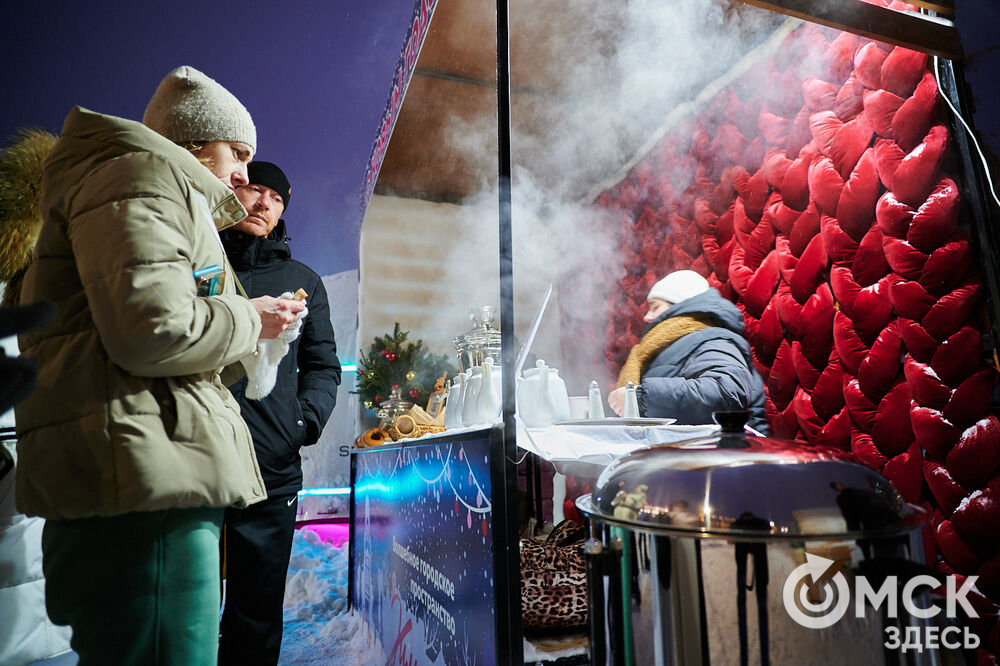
930	35
444	144
546	36
461	40
425	264
549	39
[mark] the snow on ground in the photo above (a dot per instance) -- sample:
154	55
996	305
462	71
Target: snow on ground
319	631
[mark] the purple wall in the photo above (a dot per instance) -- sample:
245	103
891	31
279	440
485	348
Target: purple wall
314	75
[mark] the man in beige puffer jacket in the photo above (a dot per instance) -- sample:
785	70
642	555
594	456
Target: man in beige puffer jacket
131	445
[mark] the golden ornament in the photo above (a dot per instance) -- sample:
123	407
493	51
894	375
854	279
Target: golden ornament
410	376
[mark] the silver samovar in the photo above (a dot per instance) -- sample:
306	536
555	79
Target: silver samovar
482	341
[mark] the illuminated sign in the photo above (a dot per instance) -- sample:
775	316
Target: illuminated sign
422	13
422	561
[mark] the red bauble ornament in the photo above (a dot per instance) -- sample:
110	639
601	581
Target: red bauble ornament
414	393
384	352
390	357
378	398
395	386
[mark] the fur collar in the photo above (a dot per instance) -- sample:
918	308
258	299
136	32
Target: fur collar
20	217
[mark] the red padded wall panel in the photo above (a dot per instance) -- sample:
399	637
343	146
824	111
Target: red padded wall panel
813	193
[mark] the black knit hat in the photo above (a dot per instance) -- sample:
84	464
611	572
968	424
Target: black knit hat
269	175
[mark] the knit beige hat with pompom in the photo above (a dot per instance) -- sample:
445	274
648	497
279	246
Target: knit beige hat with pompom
189	106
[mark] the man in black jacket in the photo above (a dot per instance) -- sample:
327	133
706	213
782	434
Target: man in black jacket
257	541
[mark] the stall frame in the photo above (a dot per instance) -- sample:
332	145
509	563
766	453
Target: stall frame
975	192
502	437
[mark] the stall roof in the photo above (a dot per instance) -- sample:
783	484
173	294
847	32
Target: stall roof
444	143
934	35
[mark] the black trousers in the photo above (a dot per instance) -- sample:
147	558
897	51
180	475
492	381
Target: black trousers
257	543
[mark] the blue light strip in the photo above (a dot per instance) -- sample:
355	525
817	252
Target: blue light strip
349	367
325	491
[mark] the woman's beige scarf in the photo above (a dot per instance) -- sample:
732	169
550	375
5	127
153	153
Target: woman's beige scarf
656	340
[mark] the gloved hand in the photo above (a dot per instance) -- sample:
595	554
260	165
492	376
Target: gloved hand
292	331
262	367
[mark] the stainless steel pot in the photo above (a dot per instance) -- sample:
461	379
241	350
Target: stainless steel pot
693	544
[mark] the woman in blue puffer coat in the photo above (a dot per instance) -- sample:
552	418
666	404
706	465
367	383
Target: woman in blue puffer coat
692	359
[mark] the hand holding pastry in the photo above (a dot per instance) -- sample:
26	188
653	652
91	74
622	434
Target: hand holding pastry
276	314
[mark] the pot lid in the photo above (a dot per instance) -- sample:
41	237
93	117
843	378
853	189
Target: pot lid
739	485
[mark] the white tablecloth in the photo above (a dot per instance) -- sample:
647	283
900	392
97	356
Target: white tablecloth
585	450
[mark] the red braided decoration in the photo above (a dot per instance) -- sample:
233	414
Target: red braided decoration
830	222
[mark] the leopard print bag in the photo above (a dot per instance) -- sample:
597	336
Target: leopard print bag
554	579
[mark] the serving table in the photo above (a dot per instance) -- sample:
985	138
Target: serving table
430	553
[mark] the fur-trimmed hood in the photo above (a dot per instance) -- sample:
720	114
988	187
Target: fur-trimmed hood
20	218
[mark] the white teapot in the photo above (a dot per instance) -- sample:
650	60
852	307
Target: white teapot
470	396
453	403
491	394
541	396
483	394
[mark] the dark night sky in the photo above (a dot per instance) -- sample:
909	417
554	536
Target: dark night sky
977	22
315	76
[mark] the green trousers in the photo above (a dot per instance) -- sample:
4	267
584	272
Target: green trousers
138	589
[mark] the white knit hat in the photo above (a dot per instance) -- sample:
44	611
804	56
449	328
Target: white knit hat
189	106
678	286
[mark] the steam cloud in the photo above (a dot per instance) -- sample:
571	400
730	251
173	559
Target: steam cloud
615	84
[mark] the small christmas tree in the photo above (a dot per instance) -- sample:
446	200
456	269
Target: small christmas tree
392	361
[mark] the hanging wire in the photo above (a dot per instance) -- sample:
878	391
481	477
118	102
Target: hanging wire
972	135
518	420
518	462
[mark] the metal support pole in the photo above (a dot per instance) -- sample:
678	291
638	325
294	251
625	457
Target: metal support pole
507	590
351	537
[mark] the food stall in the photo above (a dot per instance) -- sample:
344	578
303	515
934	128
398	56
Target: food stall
810	173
